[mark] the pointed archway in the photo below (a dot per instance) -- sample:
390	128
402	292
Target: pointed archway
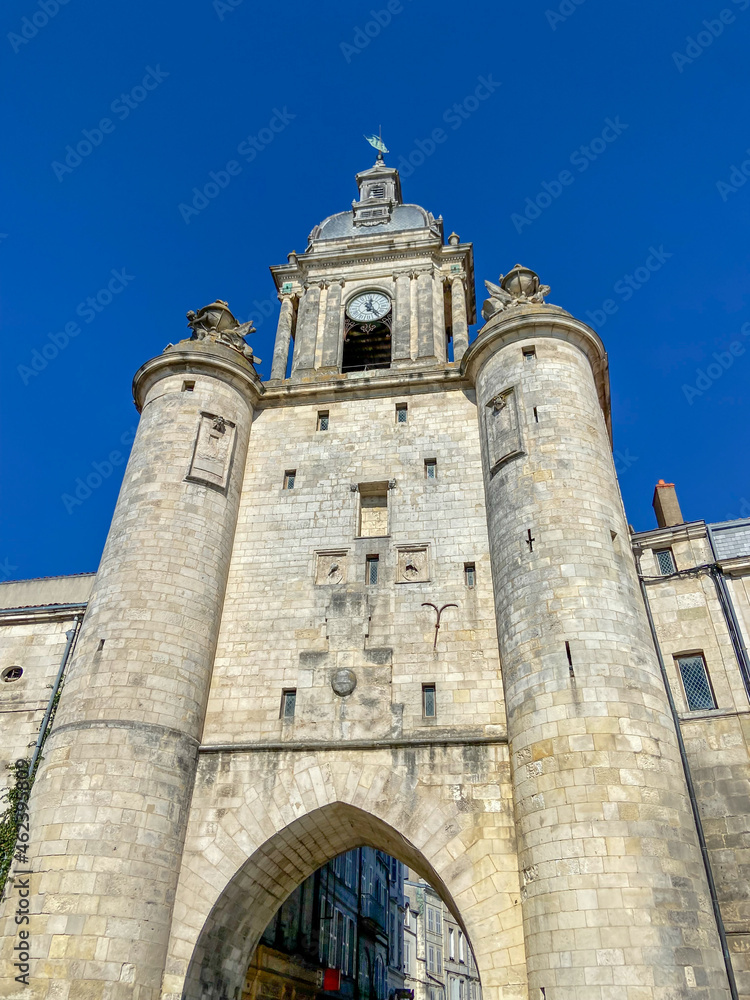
236	922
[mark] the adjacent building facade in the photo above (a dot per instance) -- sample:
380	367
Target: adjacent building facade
385	601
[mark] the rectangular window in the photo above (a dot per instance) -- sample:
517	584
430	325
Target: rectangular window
529	353
430	468
438	922
402	412
428	701
438	961
324	930
373	510
352	947
349	875
188	386
332	942
431	958
322	420
461	947
698	693
451	944
372	570
288	703
289	476
461	990
470	574
407	956
430	919
665	561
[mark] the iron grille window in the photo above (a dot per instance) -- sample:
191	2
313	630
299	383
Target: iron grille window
372	569
665	562
289	476
430	468
428	701
402	412
288	703
529	353
695	681
323	420
470	575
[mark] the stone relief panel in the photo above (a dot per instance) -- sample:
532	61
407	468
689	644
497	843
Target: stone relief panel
211	463
413	564
330	567
502	428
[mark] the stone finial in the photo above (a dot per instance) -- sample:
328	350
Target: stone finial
518	287
218	325
454	239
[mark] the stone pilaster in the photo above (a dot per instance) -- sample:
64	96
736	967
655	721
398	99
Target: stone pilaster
307	330
110	804
458	318
614	894
332	329
425	305
401	333
283	337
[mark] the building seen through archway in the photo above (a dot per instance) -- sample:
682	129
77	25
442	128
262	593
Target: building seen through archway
363	927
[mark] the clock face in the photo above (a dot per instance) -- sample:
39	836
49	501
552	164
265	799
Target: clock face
369	306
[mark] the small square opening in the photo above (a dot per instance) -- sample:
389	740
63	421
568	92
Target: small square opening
529	353
402	413
430	468
188	386
289	479
665	562
322	420
470	575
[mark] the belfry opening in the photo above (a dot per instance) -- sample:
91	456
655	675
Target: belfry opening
366	346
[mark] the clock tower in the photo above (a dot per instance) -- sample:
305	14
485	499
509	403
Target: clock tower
376	288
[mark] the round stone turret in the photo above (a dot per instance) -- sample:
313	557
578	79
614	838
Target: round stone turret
110	803
614	894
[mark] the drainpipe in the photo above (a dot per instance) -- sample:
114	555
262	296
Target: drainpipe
71	635
637	551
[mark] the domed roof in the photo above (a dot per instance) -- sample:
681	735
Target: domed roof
403	217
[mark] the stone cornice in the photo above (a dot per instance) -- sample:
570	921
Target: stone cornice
216	362
521	322
665	536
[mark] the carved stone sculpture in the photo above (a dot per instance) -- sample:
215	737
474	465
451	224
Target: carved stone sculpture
518	287
217	324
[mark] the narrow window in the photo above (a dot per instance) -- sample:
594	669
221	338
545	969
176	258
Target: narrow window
430	468
698	693
470	575
438	961
430	919
188	386
451	944
322	420
402	413
428	701
438	922
288	703
665	561
12	673
372	569
536	415
373	510
529	353
461	947
100	646
407	956
289	476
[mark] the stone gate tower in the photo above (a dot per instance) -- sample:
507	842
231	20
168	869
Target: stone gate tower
386	598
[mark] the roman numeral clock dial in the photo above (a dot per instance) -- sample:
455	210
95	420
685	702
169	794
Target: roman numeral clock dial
368	306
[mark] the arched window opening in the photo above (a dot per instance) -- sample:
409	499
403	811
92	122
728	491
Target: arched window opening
367	345
363	927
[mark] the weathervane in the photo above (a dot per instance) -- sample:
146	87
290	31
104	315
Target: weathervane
377	142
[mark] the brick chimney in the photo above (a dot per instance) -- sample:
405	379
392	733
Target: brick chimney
666	505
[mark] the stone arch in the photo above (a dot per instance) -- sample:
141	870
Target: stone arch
250	899
261	822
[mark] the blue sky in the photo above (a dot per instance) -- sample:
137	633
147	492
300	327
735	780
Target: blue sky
645	236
